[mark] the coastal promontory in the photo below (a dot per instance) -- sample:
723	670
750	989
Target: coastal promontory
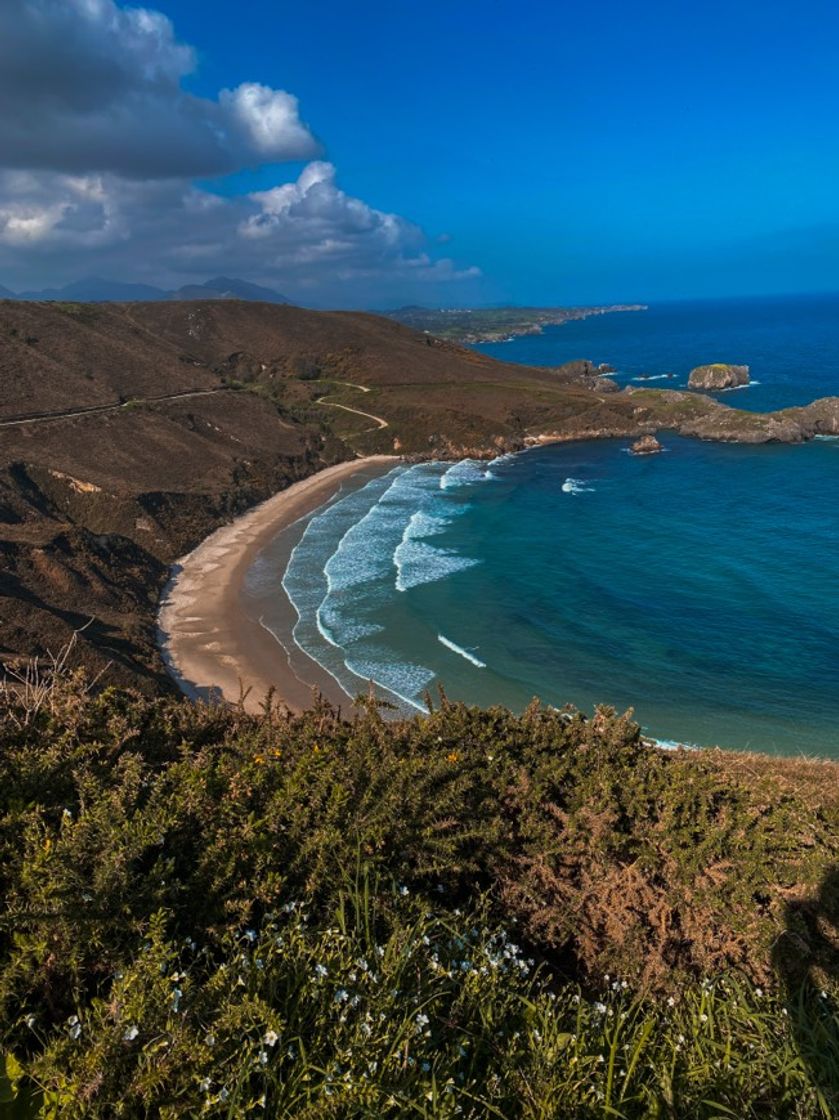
718	375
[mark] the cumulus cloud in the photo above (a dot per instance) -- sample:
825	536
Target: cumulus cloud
305	236
100	147
88	86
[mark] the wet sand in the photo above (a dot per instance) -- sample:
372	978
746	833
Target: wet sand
211	636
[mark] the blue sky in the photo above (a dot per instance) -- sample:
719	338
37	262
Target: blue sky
568	153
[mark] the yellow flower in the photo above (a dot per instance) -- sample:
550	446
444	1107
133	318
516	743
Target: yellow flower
453	757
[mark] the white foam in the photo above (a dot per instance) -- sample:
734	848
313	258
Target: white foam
464	473
338	589
401	678
734	388
419	563
449	644
655	377
576	486
306	585
365	551
672	744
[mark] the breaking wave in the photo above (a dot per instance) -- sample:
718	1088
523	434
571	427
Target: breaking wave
455	648
464	473
341	574
576	486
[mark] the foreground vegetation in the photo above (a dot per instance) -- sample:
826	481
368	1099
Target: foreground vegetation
470	914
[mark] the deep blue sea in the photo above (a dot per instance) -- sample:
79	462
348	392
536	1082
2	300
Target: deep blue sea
700	586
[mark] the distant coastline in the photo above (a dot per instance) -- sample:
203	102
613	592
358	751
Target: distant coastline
473	326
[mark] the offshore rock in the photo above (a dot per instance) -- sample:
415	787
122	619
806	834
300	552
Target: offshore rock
718	375
646	445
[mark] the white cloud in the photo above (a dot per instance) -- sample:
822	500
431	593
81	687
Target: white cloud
269	117
88	86
100	146
303	236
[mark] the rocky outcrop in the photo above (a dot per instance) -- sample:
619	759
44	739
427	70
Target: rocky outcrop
821	418
646	445
718	375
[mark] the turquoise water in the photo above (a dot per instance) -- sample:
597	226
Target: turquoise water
698	586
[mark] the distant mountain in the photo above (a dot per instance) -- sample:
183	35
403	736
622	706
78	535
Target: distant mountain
223	287
94	289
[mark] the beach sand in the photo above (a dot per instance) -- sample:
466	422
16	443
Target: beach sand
210	632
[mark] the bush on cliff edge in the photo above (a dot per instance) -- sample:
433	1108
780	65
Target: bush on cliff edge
172	872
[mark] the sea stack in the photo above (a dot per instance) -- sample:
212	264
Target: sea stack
718	375
646	445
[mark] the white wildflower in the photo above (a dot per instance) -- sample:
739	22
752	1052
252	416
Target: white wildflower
270	1038
130	1033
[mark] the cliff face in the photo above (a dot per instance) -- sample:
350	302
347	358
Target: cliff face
128	432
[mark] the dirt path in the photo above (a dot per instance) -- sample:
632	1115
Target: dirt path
380	421
42	417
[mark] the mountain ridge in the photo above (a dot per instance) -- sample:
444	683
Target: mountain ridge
96	289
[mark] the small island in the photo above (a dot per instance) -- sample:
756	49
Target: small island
718	375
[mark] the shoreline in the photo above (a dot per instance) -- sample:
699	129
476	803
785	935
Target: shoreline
212	644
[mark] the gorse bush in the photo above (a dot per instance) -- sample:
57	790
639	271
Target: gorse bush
467	914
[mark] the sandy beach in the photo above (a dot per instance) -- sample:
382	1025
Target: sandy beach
210	631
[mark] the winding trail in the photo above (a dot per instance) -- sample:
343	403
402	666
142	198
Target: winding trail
115	406
380	420
377	427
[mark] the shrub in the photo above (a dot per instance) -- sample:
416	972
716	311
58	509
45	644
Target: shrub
171	871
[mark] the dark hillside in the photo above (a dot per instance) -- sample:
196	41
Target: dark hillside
94	505
55	356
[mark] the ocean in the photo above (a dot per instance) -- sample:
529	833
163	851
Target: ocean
698	587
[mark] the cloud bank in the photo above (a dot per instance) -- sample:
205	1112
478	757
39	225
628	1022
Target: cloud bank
101	144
